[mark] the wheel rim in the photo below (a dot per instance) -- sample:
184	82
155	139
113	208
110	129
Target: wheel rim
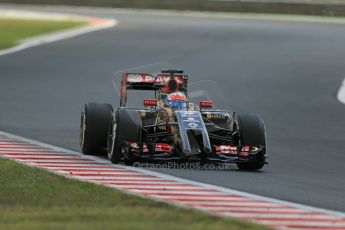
124	152
82	128
112	138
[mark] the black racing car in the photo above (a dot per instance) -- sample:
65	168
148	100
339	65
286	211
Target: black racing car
170	127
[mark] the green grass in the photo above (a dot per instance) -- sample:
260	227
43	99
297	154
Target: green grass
32	198
12	31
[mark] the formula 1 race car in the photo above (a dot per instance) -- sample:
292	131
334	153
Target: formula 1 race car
170	127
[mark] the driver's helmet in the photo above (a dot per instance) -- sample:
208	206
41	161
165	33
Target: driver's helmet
176	100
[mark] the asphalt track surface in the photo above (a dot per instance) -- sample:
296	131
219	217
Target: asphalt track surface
289	72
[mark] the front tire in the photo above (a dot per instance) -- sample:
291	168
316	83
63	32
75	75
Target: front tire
126	128
94	125
252	132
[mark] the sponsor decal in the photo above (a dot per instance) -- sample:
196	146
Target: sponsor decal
215	116
191	119
137	78
163	79
193	125
150	102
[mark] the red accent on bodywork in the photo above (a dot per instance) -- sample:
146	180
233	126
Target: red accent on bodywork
243	151
244	154
163	79
163	147
206	104
159	147
226	149
150	102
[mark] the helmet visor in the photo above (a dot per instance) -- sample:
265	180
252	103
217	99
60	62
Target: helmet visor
178	104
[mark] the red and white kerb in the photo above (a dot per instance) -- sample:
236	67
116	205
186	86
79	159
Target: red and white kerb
216	200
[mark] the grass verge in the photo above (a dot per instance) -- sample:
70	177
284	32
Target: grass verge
32	198
12	31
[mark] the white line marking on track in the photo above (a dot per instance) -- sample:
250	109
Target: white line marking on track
198	14
121	181
77	165
9	151
158	187
251	210
38	157
104	180
313	223
200	199
71	161
275	217
213	199
85	170
174	191
94	24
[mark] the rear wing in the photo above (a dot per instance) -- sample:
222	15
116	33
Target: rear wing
163	83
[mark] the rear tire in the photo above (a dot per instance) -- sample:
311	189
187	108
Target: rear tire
252	132
126	127
94	125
